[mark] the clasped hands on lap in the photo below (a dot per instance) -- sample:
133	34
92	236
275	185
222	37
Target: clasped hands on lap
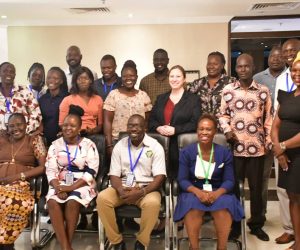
130	195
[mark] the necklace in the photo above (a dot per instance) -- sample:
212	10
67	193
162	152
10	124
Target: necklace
13	154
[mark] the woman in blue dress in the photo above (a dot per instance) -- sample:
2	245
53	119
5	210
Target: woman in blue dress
206	179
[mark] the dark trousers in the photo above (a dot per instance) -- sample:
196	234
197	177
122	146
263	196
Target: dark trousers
252	168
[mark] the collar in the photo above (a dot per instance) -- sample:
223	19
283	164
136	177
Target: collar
102	80
253	85
145	142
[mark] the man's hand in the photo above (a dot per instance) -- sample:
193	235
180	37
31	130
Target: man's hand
132	195
231	137
277	150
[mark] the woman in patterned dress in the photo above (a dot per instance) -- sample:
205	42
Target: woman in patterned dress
122	103
71	167
19	153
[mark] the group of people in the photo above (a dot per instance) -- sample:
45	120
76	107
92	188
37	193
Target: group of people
76	105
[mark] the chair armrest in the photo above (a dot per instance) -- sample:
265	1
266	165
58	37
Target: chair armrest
103	183
166	186
175	188
241	189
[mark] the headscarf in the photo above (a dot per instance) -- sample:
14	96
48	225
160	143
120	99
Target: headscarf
297	58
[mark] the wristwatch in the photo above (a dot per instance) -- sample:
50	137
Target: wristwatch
22	176
282	146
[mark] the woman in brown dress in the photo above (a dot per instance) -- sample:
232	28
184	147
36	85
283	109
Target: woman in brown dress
19	153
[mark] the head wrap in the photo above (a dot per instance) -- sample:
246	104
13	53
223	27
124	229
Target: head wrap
297	57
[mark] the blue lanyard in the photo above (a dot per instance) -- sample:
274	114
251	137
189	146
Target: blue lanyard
7	101
105	87
132	167
287	84
38	93
68	154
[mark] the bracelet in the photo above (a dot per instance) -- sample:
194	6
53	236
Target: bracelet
22	176
282	146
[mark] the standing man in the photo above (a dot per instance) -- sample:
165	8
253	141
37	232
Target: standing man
285	83
268	78
246	117
135	177
73	59
157	82
110	80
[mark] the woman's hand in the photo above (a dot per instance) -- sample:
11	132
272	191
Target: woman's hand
62	195
277	150
166	130
202	196
283	161
213	196
64	189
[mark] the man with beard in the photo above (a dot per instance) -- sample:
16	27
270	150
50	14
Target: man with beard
110	80
135	178
157	82
73	59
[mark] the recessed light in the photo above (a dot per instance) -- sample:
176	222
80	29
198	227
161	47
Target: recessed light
266	46
3	17
262	43
130	15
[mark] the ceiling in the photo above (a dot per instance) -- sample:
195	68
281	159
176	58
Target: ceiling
57	12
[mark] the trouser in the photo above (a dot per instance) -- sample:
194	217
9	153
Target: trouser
252	168
283	204
108	199
268	163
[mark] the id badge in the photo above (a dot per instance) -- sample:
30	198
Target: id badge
69	177
6	117
129	179
207	187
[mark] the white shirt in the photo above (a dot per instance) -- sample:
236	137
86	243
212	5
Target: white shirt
69	76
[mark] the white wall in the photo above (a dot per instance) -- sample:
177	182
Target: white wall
3	44
187	44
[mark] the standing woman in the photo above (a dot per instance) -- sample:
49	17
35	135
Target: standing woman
286	140
17	99
71	167
174	113
209	87
36	78
56	82
122	103
84	95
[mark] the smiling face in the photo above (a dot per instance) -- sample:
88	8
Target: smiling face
160	61
136	129
53	80
8	74
83	82
206	131
129	78
73	57
71	128
108	69
214	66
295	73
176	78
16	127
289	51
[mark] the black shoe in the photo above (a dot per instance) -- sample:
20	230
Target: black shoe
234	234
83	222
131	224
138	246
157	231
260	234
120	246
95	221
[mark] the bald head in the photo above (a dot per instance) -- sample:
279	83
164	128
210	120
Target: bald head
245	68
73	57
289	50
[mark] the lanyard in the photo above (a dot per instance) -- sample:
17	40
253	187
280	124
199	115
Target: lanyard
38	95
287	84
132	167
105	87
206	173
7	100
68	154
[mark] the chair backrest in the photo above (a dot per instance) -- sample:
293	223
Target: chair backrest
189	138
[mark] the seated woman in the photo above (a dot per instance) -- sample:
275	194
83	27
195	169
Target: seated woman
174	113
84	95
206	179
19	153
71	167
56	82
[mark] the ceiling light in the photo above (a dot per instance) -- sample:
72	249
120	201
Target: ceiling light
3	17
130	15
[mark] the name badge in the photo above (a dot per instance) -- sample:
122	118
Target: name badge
6	117
69	177
207	187
129	179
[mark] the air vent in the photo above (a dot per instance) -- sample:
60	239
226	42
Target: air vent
91	9
274	6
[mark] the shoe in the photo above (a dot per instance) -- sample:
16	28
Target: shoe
234	234
260	234
139	246
131	224
94	219
285	238
157	231
83	222
120	246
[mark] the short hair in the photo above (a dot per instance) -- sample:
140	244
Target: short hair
222	58
208	117
2	64
74	47
129	64
161	51
17	115
77	111
64	85
81	70
35	66
138	116
108	57
180	68
275	47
